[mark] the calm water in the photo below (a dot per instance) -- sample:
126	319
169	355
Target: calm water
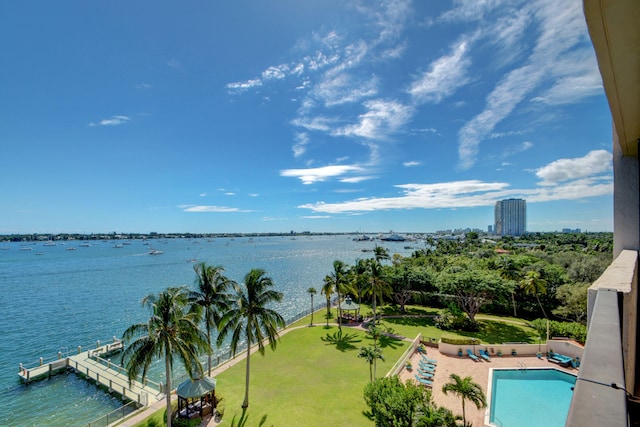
531	398
53	299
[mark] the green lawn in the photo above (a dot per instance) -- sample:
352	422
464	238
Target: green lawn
314	378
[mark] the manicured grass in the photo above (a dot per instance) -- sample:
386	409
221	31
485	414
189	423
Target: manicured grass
314	378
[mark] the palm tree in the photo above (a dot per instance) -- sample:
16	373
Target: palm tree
339	281
371	354
327	290
509	271
172	331
211	296
467	390
312	292
377	286
249	318
532	283
380	253
375	332
359	271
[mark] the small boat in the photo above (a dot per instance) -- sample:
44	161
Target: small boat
26	249
71	248
155	252
118	246
84	245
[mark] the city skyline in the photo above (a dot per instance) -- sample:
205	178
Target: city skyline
316	115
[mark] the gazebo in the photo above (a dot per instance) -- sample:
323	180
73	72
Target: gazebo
348	305
196	397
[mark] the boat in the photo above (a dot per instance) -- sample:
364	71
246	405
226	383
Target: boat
26	249
393	238
363	238
71	248
155	252
84	245
118	246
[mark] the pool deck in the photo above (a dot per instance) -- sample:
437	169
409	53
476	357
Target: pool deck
464	366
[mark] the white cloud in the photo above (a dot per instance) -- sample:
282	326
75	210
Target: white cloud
563	179
214	209
445	75
113	121
300	147
471	10
411	163
313	175
316	216
382	119
144	86
244	86
253	194
561	29
594	163
342	88
319	123
277	72
229	193
357	179
203	194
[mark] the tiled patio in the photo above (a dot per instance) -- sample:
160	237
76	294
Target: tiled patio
464	366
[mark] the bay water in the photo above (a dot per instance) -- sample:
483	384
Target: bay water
56	298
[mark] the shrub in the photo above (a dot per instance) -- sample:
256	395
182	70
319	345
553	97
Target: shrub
459	340
187	422
573	330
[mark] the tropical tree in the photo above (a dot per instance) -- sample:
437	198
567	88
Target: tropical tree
250	319
312	292
466	389
533	284
358	274
471	286
392	402
371	354
212	297
380	254
377	285
375	332
340	284
510	271
171	332
327	290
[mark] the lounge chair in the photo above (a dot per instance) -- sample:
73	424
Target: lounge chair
426	359
471	355
560	359
424	381
485	355
427	367
426	374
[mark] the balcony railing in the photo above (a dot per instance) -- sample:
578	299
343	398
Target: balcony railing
600	395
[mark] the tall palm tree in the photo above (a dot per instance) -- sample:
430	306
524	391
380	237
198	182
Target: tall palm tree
340	284
467	389
359	271
377	285
172	331
249	318
327	290
312	292
375	332
510	271
371	354
532	283
212	297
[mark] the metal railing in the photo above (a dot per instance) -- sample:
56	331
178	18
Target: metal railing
113	416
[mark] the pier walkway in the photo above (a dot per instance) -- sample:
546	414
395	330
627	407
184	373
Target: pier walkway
92	366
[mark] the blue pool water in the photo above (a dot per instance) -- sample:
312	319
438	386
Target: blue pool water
530	398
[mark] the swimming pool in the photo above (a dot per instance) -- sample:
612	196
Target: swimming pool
529	397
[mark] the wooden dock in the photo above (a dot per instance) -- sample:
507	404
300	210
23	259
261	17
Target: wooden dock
92	366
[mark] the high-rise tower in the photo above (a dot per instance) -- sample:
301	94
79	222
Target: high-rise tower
511	217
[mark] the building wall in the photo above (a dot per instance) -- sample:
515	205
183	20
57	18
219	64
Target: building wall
510	217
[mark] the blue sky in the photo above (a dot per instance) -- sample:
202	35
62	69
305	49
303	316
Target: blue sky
320	115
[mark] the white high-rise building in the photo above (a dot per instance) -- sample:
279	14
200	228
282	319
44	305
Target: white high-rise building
510	217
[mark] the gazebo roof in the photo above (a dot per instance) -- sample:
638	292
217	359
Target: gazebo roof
196	388
348	304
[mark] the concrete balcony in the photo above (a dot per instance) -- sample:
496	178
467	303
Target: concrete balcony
608	367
